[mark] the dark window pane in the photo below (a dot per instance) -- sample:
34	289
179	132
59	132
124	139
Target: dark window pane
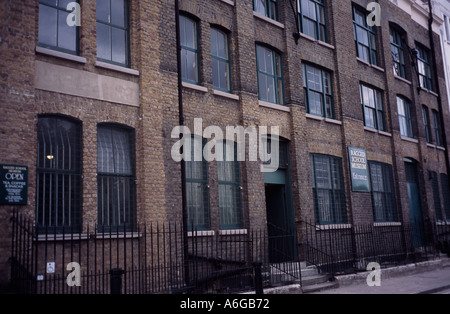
47	25
119	46
261	7
66	34
63	3
103	10
118	12
189	65
103	41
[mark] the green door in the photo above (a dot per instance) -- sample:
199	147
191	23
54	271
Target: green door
415	208
280	213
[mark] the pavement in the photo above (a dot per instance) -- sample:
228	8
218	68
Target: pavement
430	277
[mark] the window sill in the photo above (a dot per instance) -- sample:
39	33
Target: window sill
59	54
402	79
269	20
119	235
366	128
428	91
233	232
333	227
333	121
62	237
328	120
376	67
195	87
320	42
225	94
117	68
409	139
201	233
274	106
435	146
387	224
230	2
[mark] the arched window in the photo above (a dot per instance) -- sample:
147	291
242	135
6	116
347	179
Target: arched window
59	190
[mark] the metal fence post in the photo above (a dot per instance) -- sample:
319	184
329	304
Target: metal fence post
258	278
116	280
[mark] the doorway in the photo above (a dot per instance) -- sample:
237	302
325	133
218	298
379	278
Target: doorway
414	200
279	211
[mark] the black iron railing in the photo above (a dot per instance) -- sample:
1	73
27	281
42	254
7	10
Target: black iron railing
157	258
151	259
350	248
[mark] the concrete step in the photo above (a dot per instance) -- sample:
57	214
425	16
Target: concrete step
309	271
320	286
316	279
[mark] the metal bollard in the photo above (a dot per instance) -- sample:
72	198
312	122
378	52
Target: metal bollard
258	278
116	280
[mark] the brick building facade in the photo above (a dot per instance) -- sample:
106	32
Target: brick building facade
326	92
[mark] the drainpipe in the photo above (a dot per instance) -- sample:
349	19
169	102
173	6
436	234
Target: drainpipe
435	74
183	163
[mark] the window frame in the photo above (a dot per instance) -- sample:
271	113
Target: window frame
323	93
206	208
387	194
194	50
445	194
276	77
436	196
220	59
407	117
317	24
234	184
74	172
371	31
269	11
116	177
397	42
424	57
426	123
59	9
379	122
126	29
436	128
337	196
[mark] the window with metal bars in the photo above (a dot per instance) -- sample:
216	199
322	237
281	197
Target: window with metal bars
113	33
328	189
312	18
229	188
365	37
54	32
116	177
268	8
318	91
383	195
58	171
436	196
398	51
197	190
372	101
